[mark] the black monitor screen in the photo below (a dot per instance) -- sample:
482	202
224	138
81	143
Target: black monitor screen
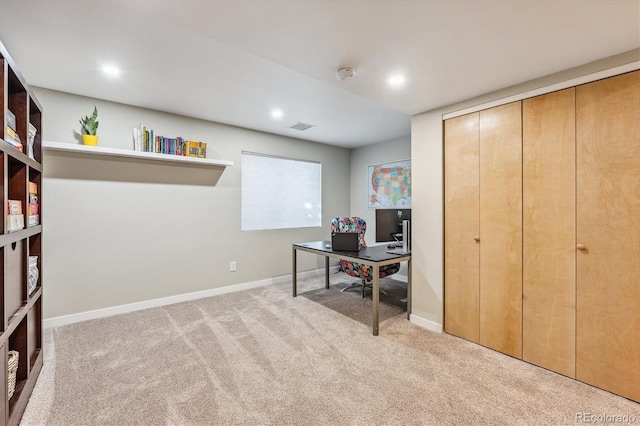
389	224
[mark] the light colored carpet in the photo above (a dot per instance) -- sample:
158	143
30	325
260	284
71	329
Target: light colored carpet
263	357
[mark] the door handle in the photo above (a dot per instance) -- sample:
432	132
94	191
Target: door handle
580	247
477	239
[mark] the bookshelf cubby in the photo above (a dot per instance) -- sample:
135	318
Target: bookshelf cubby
21	311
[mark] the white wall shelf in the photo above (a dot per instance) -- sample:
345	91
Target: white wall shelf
115	152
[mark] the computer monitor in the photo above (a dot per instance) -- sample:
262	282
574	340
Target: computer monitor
389	224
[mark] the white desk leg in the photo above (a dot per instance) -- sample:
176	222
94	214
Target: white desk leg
409	289
376	298
326	272
294	274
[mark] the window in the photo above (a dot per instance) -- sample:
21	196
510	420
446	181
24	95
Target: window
280	192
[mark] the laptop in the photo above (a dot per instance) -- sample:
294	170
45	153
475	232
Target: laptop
345	241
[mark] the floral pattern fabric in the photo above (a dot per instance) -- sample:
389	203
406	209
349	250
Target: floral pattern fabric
357	224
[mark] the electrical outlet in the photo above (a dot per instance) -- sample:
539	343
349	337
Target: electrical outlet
232	266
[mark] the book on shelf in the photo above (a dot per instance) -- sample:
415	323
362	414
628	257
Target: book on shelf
202	150
15	222
13	139
31	138
33	208
33	220
146	140
14	207
11	120
33	274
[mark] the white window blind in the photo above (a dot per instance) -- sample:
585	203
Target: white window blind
279	192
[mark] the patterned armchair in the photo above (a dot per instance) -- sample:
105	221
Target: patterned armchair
364	272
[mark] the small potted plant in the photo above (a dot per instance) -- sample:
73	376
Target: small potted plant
89	128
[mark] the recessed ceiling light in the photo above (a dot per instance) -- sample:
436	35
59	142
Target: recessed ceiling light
277	114
111	70
396	80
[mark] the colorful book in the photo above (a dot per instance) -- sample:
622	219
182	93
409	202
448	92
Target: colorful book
193	149
13	139
14	207
202	150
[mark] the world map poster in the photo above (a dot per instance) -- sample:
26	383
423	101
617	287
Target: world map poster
389	185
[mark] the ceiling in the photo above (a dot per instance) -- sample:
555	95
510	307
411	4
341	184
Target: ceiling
233	61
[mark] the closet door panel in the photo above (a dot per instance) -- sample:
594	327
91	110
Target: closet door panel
549	215
501	228
608	226
461	226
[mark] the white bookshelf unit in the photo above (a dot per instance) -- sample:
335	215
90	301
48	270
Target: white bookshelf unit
116	152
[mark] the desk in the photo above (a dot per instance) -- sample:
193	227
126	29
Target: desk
374	256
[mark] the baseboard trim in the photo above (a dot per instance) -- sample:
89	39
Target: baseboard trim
425	323
170	300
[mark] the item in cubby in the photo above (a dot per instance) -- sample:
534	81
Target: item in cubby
15	222
33	209
89	128
13	138
31	138
14	207
11	120
12	372
34	273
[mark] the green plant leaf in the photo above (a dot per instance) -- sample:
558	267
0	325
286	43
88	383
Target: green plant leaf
90	124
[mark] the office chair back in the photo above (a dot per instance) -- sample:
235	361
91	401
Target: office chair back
350	224
364	272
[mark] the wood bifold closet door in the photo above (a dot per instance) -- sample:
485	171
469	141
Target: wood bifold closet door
462	225
501	228
549	239
483	228
554	277
608	229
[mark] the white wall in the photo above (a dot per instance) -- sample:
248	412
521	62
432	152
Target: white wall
427	185
124	231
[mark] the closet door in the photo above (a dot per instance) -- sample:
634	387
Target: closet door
461	151
501	228
608	234
549	240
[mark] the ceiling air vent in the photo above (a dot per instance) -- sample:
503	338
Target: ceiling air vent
301	126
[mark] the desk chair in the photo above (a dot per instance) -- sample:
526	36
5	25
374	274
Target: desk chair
365	273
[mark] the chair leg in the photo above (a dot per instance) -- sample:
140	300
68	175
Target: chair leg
355	284
365	284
